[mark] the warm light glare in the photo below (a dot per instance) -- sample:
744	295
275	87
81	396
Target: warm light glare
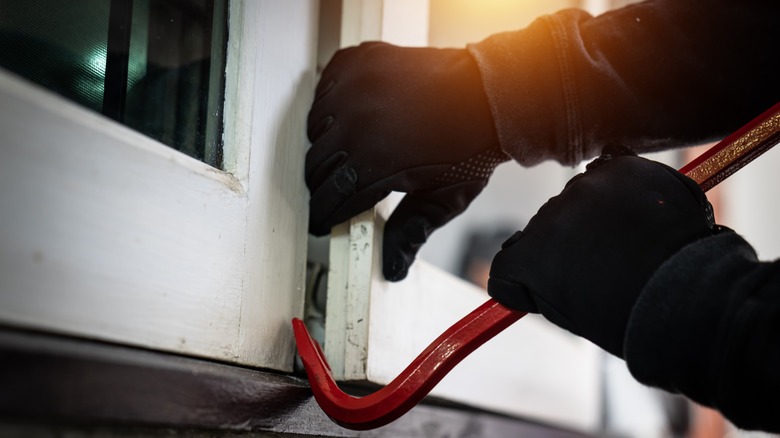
455	23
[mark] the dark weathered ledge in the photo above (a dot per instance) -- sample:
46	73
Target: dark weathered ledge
51	385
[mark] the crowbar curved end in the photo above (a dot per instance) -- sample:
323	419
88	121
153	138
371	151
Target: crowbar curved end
414	383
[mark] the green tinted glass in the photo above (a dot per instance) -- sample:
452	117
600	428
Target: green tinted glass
154	65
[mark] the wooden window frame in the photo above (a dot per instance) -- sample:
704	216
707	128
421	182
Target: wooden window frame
108	234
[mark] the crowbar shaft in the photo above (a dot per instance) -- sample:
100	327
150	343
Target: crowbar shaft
416	381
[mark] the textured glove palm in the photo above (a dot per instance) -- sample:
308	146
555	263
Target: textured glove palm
584	258
389	118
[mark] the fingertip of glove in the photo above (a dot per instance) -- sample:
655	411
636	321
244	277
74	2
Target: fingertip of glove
345	180
610	152
696	191
501	289
512	239
316	129
318	232
323	88
395	269
416	231
511	294
402	240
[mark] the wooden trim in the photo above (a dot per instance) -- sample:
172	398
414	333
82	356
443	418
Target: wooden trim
111	235
62	383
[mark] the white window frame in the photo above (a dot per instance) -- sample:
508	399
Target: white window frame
108	234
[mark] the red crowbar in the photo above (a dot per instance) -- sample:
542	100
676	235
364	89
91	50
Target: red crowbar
476	328
414	383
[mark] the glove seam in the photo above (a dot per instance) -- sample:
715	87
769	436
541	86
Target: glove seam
569	85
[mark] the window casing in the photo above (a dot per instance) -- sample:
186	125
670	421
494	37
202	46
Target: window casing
109	234
154	65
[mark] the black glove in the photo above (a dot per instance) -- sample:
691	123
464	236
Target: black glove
584	258
389	118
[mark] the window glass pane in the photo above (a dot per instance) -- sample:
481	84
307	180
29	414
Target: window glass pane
154	65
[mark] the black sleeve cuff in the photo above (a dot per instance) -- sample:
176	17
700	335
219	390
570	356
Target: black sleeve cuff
675	332
706	326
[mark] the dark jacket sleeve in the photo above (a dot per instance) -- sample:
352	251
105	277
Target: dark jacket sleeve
650	76
707	325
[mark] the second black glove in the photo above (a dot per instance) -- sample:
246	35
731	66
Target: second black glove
584	258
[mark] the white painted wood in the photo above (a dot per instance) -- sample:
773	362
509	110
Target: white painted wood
361	21
532	369
110	235
405	22
284	36
346	332
354	253
336	311
374	328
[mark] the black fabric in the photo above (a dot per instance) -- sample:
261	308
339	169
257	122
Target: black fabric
584	258
652	75
707	325
414	120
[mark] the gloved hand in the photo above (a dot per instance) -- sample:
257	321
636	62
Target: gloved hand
584	258
389	118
